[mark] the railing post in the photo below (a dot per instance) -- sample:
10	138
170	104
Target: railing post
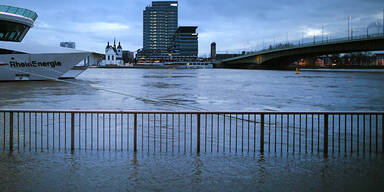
198	133
261	133
325	134
72	131
135	133
10	131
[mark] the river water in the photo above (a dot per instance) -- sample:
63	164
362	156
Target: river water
213	90
187	90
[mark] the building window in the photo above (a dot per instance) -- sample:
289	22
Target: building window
108	58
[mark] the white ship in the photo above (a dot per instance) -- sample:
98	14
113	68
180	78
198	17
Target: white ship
189	65
22	62
177	65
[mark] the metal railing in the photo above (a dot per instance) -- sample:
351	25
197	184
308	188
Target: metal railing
292	45
195	132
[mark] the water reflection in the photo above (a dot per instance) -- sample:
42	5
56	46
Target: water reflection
161	85
106	171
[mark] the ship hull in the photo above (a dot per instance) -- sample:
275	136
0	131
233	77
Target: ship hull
47	66
74	72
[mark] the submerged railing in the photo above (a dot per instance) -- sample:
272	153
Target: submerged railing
195	132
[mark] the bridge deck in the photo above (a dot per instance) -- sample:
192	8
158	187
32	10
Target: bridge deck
326	46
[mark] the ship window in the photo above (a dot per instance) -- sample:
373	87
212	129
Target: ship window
3	8
12	36
10	31
27	13
34	17
20	11
12	10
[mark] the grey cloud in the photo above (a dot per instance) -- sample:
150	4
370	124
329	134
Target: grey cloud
233	24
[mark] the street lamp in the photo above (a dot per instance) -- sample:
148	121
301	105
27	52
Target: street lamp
274	41
378	28
349	19
302	37
314	37
322	32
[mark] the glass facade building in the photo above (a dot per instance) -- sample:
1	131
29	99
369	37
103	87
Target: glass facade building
160	24
185	41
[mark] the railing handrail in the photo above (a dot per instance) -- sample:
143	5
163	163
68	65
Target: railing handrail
188	112
310	44
325	131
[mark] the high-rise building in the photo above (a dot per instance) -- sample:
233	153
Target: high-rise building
160	24
71	45
185	41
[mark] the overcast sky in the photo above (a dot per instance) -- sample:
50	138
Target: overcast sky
234	25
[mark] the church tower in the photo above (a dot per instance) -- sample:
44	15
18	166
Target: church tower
107	47
113	54
119	51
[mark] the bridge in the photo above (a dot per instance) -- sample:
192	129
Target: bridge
282	57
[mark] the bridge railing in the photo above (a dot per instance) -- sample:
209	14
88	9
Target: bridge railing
315	43
193	132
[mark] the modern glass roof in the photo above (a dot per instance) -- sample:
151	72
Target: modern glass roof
19	11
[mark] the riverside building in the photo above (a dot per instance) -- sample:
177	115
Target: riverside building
113	55
160	24
163	39
185	43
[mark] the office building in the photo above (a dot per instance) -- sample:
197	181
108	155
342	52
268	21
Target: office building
185	42
71	45
160	24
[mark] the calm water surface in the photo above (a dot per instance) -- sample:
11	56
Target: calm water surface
178	90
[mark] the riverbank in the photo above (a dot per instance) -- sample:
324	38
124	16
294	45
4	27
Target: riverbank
192	65
343	70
